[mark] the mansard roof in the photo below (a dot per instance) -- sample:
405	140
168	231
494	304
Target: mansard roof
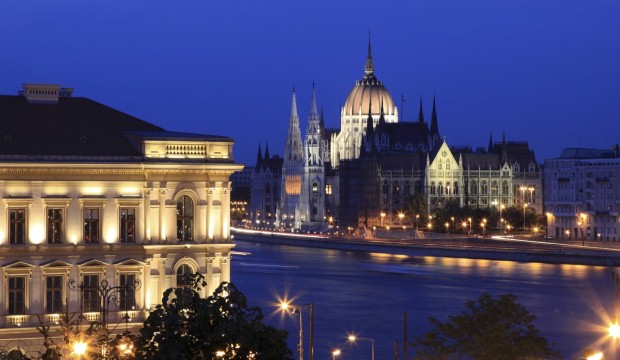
517	152
585	153
77	126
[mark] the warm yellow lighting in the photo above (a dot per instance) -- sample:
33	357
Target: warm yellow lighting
37	234
614	330
336	352
284	306
79	348
401	215
597	356
220	353
93	190
352	338
111	235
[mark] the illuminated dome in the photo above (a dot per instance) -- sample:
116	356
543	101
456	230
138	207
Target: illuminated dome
369	93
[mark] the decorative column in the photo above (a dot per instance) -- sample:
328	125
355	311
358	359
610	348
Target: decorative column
146	234
162	215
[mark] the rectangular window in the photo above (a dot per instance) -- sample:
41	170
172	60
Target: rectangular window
53	294
91	225
128	225
17	230
54	226
328	189
90	293
17	295
127	291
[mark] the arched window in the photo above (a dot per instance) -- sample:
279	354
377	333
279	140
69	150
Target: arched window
440	188
407	188
494	188
184	275
474	188
432	188
505	188
384	188
315	188
456	188
395	188
484	188
185	219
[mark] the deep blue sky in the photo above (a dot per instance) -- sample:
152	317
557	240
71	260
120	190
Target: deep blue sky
545	71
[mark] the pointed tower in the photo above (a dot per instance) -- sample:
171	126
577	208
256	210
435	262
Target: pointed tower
266	151
292	173
369	68
313	186
421	113
434	130
490	148
259	159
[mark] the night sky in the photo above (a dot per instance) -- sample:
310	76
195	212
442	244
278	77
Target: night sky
547	72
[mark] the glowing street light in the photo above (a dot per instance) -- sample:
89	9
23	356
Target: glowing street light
335	353
287	307
79	349
353	338
447	228
382	215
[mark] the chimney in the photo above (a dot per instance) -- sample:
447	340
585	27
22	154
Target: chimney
44	93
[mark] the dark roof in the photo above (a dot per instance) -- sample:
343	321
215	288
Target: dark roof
583	153
75	126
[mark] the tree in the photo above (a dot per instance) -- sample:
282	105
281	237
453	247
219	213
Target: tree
222	326
415	205
487	328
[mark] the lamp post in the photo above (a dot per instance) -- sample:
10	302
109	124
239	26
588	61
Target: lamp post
417	216
453	223
501	220
524	207
470	226
382	215
354	338
335	353
401	215
102	296
285	306
447	228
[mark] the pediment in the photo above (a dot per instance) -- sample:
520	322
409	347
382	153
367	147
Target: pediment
93	262
55	264
17	264
130	262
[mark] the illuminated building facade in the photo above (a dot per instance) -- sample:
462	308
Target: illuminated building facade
265	189
88	194
581	195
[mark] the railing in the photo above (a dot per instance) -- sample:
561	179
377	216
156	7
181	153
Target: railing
33	320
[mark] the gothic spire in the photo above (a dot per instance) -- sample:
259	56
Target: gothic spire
313	110
490	149
266	151
369	68
421	113
293	152
434	125
259	158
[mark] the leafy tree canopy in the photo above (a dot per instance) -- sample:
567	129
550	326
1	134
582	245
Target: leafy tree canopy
488	328
222	326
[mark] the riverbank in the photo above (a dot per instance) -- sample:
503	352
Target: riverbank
491	248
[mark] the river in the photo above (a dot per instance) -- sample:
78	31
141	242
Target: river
368	293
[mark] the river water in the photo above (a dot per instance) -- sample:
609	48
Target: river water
368	293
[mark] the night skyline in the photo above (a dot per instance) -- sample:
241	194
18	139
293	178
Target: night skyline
546	73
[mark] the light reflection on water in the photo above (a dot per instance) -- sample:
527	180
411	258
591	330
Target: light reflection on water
368	292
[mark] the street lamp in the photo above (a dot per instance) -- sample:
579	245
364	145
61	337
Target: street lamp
79	349
453	223
400	217
470	226
524	207
448	228
501	220
417	216
335	353
354	338
285	306
382	215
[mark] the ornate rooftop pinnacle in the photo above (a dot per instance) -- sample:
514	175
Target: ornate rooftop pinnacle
369	68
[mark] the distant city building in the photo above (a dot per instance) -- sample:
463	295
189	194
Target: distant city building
87	194
581	194
265	189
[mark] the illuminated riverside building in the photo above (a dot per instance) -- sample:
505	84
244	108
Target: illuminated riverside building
88	194
582	200
375	161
